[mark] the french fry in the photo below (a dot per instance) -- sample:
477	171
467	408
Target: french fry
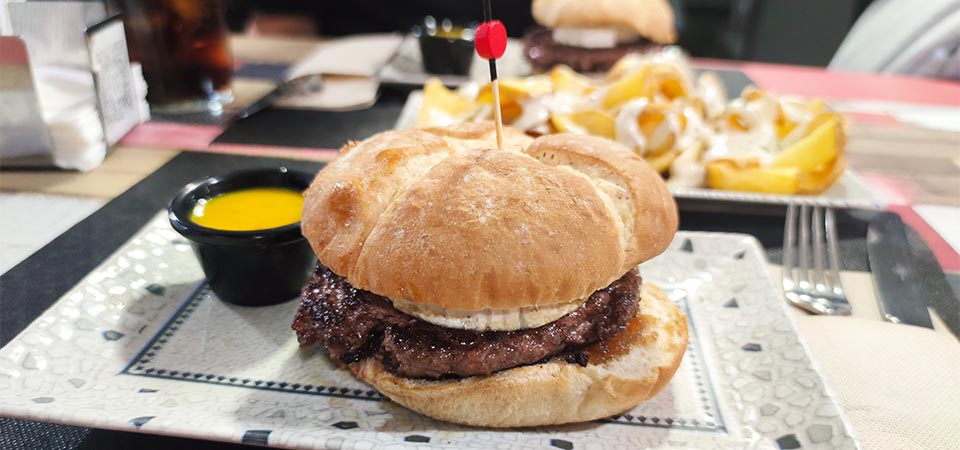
566	80
733	176
666	81
729	175
783	123
816	182
653	117
824	144
629	87
656	81
589	121
442	106
661	163
515	91
626	65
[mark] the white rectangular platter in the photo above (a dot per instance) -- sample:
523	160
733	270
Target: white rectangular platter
141	344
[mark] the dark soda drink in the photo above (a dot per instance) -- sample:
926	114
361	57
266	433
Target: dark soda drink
182	46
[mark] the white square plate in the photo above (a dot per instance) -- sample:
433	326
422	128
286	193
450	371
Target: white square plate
142	344
848	192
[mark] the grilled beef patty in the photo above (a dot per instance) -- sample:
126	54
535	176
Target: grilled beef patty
544	53
354	324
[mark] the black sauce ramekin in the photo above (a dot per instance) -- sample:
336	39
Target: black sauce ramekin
249	268
444	55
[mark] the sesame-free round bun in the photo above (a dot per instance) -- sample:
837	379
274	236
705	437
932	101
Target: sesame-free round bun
641	361
438	217
652	19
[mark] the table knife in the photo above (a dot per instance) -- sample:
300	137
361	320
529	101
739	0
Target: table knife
304	84
894	272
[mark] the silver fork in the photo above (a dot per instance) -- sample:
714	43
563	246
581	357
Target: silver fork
812	288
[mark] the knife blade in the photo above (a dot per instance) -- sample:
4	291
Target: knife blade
894	272
304	84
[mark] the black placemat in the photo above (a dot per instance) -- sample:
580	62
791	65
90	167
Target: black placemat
315	129
31	435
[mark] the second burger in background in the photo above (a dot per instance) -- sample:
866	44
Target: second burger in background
591	35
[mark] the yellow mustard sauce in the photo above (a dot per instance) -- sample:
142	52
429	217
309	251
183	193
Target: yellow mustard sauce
249	209
453	33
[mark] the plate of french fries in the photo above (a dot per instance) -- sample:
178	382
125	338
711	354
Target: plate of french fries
757	147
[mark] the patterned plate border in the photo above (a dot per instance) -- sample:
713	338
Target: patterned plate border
141	365
704	381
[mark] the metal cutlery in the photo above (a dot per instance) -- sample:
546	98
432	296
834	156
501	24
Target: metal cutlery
304	84
810	239
894	273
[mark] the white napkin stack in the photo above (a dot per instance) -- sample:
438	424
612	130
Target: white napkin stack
68	101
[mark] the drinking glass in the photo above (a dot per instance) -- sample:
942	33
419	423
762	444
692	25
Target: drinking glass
183	49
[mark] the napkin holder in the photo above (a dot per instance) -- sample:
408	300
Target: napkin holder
56	35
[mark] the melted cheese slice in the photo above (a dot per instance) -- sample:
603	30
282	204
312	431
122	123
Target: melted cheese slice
488	319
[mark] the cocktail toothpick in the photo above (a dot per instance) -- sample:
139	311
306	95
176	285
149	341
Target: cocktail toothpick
490	42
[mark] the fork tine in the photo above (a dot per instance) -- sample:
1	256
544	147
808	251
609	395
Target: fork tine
818	278
789	245
833	252
803	278
817	297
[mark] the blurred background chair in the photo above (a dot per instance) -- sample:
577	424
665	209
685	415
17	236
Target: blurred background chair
806	32
904	37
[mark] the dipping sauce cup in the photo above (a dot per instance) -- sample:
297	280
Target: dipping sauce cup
445	48
253	267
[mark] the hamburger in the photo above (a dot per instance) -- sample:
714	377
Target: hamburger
590	36
489	287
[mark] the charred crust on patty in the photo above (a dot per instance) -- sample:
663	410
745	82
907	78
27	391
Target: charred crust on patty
544	52
353	324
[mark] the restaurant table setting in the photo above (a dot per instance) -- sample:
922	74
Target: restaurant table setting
97	237
143	326
861	380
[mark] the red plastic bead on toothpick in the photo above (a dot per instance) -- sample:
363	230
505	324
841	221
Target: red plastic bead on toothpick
490	41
